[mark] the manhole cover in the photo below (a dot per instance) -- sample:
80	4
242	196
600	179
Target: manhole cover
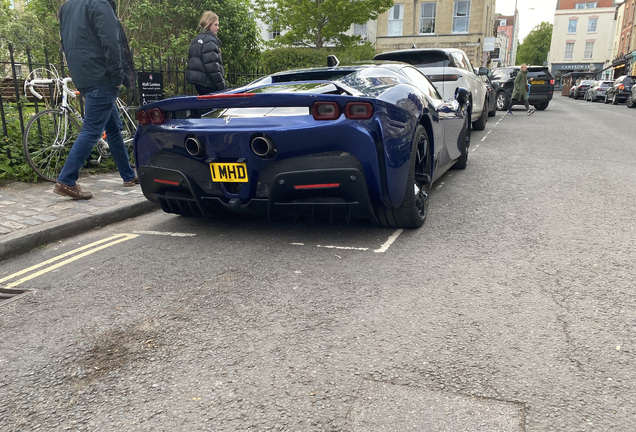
384	407
9	295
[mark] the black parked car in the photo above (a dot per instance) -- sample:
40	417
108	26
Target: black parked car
631	99
491	96
541	89
579	92
619	91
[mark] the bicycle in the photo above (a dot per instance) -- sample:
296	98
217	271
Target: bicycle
50	134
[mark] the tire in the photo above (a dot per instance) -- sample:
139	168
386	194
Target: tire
542	106
480	124
614	100
463	143
629	102
502	101
414	208
48	137
606	101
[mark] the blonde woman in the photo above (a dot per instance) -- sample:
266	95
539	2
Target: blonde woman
205	65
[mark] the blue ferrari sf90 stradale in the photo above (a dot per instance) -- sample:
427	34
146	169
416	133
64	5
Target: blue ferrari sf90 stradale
361	141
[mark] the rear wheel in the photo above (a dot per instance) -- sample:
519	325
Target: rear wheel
502	101
614	100
48	137
414	208
630	102
606	100
480	124
542	106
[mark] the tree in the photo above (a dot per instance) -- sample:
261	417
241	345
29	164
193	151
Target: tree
535	47
317	22
166	27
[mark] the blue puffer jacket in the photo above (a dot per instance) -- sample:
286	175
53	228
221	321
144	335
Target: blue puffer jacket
205	65
91	42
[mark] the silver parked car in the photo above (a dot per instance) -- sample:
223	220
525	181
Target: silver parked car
597	91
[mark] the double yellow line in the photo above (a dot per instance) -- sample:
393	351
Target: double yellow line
82	252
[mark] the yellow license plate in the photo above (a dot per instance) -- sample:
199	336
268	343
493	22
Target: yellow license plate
228	172
538	82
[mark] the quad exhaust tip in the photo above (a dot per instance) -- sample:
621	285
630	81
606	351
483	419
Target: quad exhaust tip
194	147
263	146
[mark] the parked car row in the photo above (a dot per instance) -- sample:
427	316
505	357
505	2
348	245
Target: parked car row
622	89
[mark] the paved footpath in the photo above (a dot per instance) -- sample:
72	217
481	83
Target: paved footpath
31	215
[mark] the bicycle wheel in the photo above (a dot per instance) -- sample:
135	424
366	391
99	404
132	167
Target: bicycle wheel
48	138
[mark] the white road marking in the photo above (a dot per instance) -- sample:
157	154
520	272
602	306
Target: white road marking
389	242
298	244
165	233
343	247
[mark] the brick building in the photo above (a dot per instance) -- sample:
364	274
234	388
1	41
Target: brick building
623	61
459	24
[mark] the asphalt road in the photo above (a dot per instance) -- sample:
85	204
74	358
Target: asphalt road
512	309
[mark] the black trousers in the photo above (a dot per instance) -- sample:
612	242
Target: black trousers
519	102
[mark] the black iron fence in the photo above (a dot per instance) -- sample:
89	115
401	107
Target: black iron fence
15	71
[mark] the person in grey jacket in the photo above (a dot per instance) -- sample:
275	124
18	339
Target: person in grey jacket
92	43
205	65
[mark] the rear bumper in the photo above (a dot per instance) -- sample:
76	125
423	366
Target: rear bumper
332	192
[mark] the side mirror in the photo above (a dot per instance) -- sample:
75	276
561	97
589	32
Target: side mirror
462	96
332	61
483	71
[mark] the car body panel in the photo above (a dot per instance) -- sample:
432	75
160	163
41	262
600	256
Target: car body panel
376	151
598	90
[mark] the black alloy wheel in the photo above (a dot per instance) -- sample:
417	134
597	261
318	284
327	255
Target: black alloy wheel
502	101
463	143
414	208
630	102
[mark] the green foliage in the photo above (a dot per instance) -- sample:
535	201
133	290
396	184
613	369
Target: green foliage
279	59
535	47
315	23
13	165
21	29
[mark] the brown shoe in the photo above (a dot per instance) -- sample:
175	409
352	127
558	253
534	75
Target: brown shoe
131	183
74	192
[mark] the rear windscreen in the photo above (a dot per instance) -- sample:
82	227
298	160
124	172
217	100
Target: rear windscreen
628	81
426	58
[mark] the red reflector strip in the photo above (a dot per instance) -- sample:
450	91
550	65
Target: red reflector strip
226	96
168	182
317	186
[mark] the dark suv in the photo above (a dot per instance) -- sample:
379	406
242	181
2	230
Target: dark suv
541	85
619	91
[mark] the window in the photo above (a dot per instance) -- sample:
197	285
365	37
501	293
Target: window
585	5
569	50
591	26
396	16
360	30
427	17
503	22
461	16
589	49
273	33
572	26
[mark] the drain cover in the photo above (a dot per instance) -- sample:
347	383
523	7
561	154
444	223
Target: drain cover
9	295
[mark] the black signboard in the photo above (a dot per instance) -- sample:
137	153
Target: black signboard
495	54
150	87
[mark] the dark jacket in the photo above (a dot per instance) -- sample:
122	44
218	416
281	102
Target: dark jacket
205	65
521	85
91	40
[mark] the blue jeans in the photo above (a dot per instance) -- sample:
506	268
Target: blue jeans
100	115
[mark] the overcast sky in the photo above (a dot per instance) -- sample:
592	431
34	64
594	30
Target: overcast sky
531	13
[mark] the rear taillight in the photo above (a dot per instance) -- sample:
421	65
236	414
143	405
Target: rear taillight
443	77
552	82
358	110
156	116
621	87
142	117
325	110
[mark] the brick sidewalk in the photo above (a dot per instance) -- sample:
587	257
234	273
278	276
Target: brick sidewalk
29	209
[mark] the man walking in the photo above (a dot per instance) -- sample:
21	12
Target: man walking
92	44
520	90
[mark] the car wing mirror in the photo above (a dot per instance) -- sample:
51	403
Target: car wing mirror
332	61
462	96
483	71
